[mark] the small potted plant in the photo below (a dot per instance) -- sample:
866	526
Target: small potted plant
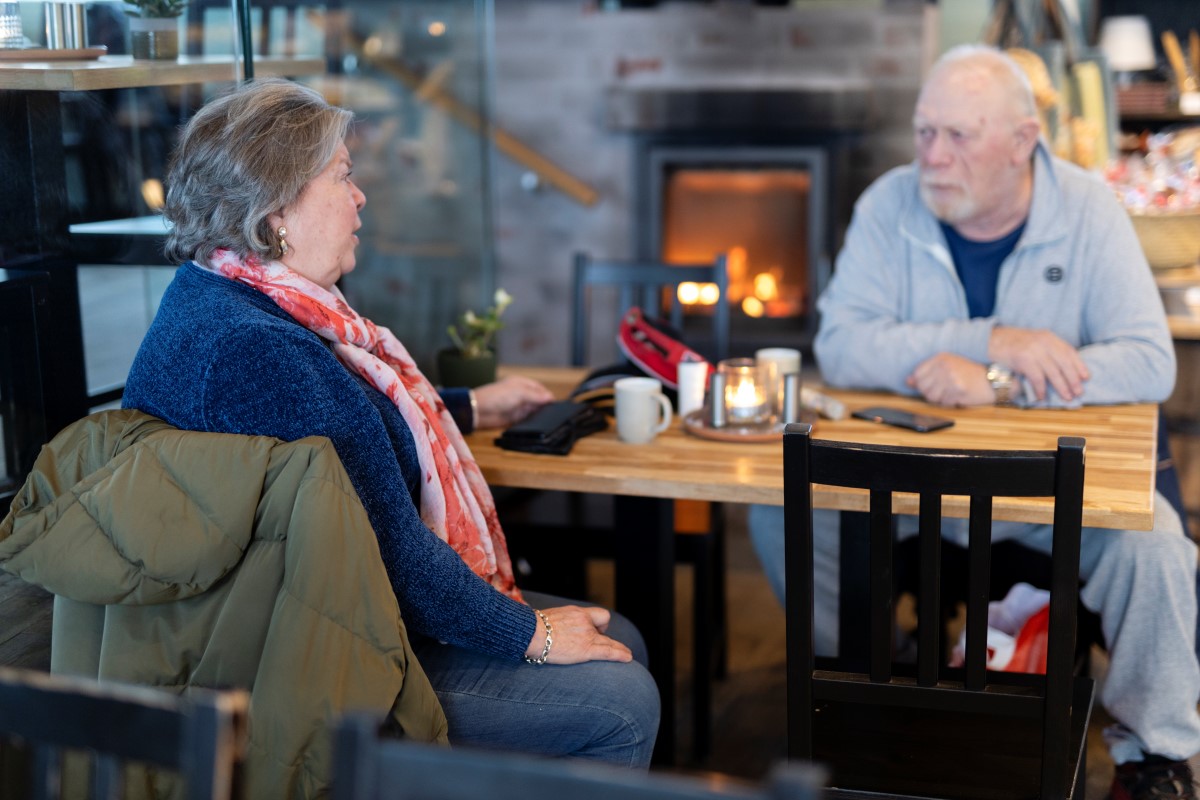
154	27
471	361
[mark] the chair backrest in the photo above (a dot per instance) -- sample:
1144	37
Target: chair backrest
1046	701
641	283
368	767
200	736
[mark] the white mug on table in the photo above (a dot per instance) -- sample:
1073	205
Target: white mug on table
643	411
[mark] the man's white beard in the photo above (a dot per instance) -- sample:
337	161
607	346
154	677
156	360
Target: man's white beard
949	210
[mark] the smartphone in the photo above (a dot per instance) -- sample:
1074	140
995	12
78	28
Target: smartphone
921	423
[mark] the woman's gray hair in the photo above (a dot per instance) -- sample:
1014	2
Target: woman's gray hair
1007	72
241	157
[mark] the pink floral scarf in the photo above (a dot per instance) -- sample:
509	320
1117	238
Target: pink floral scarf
456	503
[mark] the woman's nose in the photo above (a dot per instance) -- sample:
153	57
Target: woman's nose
360	199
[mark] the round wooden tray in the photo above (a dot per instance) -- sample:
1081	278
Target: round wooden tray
696	423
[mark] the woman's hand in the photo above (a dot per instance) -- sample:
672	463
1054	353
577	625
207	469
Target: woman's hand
578	636
509	400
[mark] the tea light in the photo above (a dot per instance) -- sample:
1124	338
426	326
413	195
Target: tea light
745	392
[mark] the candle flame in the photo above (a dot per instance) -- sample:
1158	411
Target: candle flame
745	396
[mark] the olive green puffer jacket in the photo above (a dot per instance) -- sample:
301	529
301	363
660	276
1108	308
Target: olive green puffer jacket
200	559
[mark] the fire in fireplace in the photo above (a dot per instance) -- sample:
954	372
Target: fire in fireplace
763	206
759	219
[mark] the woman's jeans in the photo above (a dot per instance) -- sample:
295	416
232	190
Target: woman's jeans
601	710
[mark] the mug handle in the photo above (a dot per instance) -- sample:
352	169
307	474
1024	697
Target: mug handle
667	413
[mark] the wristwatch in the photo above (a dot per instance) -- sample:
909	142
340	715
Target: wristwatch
1004	383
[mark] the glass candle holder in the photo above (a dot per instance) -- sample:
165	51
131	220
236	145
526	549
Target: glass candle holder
746	401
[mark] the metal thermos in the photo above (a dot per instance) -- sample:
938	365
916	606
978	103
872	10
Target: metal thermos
66	26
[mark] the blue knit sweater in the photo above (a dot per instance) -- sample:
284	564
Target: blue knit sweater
220	356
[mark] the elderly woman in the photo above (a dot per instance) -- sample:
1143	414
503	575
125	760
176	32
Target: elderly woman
253	337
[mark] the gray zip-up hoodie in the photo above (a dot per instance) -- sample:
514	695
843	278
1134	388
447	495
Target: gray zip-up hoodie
1078	271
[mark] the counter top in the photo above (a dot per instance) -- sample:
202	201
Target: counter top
123	72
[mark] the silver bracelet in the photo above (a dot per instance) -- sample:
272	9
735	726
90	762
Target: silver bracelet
474	409
549	641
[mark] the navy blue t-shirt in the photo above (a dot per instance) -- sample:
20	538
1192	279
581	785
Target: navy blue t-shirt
978	266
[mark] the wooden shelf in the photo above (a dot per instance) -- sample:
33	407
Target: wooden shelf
123	72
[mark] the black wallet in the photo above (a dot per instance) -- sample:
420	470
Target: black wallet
553	428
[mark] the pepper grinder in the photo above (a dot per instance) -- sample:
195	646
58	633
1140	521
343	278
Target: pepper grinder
716	400
791	398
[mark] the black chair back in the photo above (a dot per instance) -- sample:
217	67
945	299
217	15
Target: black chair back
200	736
642	284
960	723
368	767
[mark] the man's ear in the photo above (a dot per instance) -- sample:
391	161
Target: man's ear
1025	138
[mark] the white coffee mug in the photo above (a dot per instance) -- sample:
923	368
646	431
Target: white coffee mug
643	411
693	379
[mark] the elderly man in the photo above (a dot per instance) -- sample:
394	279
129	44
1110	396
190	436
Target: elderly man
990	272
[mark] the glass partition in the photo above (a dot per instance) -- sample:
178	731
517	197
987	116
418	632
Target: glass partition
414	73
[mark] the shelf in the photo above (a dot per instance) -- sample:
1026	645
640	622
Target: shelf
123	72
137	241
152	225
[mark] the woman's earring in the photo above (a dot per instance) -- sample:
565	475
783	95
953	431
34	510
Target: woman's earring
283	245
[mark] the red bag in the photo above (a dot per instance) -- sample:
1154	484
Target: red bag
1030	653
655	351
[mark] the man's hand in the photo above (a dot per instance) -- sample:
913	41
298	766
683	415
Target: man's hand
950	380
1041	358
578	636
509	400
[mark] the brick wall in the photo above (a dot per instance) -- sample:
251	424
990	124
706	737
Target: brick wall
553	61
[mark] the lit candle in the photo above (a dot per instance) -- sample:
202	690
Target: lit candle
744	401
745	391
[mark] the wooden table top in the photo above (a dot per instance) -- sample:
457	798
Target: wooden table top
1118	489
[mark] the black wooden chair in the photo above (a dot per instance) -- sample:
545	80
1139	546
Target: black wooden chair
46	719
367	767
936	731
652	286
645	284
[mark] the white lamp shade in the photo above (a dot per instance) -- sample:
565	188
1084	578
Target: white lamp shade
1128	44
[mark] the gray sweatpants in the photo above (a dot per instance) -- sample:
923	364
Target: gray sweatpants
1141	583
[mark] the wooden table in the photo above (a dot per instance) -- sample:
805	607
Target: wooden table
1118	490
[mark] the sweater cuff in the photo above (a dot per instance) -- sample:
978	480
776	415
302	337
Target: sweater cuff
458	403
